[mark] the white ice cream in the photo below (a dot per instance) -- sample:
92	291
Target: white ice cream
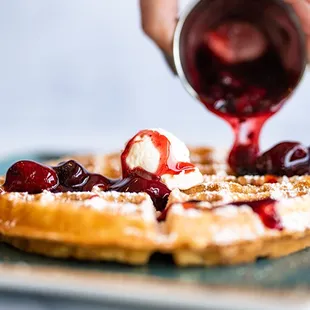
145	155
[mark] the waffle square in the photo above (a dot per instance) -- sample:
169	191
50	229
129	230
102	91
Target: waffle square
96	222
219	232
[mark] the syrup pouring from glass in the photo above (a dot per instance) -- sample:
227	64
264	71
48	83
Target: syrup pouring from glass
242	59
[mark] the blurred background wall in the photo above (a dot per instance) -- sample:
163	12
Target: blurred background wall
81	75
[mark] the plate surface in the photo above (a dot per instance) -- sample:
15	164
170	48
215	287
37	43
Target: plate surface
267	284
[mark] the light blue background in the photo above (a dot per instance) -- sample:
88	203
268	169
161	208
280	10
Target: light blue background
80	74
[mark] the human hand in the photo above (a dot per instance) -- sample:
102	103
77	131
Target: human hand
159	19
302	9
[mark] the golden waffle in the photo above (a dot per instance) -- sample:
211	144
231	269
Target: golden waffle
93	225
218	232
123	226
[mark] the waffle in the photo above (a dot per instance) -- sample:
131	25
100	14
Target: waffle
202	225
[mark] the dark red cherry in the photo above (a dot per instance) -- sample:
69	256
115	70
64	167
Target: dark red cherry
96	180
71	174
242	159
29	176
286	158
142	181
74	177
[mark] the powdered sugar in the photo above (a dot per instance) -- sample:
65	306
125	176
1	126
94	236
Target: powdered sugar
109	201
230	224
134	204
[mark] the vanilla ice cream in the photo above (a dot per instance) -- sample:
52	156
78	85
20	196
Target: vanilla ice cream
162	154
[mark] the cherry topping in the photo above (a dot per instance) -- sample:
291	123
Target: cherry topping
269	178
264	208
286	158
74	177
29	176
71	174
34	178
266	211
142	181
97	180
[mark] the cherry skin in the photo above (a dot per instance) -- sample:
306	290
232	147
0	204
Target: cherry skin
97	180
29	176
71	173
74	177
286	158
142	181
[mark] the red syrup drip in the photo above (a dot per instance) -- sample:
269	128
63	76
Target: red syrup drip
245	150
245	94
167	163
264	208
266	211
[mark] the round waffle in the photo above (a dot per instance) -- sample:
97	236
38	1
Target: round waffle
124	227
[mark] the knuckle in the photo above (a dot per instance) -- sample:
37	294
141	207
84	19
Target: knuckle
149	29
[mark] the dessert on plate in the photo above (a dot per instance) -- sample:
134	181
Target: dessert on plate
200	205
159	196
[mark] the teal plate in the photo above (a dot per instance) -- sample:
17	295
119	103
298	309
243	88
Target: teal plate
267	284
